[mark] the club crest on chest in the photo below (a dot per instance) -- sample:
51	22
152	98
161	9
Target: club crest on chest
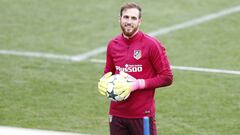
137	54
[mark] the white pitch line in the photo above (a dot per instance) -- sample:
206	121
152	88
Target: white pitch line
35	54
206	70
98	61
88	54
23	131
100	50
209	70
195	21
176	27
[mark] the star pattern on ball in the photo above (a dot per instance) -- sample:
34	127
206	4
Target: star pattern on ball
112	95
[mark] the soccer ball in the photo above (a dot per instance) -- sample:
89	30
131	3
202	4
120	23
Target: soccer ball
111	94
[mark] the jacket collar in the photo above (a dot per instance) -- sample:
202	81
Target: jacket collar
132	39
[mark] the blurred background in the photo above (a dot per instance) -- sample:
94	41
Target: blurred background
55	93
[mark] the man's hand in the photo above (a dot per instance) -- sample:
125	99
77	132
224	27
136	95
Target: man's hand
103	83
125	88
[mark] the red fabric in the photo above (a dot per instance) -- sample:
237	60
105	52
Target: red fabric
143	57
124	126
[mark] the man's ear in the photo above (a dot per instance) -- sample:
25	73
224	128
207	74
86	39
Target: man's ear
140	21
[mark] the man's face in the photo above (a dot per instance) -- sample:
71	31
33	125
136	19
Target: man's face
130	21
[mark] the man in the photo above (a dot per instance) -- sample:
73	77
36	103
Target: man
135	55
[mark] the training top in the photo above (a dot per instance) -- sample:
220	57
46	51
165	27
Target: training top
143	57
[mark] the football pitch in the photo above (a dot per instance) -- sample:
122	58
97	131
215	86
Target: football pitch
52	55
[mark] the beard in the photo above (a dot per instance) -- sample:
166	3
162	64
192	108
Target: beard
128	30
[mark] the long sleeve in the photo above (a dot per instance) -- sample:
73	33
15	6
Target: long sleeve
109	67
159	60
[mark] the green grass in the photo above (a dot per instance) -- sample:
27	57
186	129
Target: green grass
208	104
213	44
62	95
50	95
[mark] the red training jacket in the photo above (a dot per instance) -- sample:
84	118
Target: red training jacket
143	57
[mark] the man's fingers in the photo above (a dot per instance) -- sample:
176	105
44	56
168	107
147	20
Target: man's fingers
124	95
127	76
119	90
123	74
107	75
103	93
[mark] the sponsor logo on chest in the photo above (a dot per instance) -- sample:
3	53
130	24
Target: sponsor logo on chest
130	68
137	54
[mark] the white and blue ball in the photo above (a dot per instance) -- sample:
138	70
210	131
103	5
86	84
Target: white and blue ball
111	93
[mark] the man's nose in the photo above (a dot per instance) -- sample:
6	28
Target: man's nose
129	21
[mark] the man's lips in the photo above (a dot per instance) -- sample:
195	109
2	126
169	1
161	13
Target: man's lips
128	27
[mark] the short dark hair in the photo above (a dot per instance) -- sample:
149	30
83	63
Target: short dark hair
131	5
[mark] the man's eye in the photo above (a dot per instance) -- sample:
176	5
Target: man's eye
134	18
